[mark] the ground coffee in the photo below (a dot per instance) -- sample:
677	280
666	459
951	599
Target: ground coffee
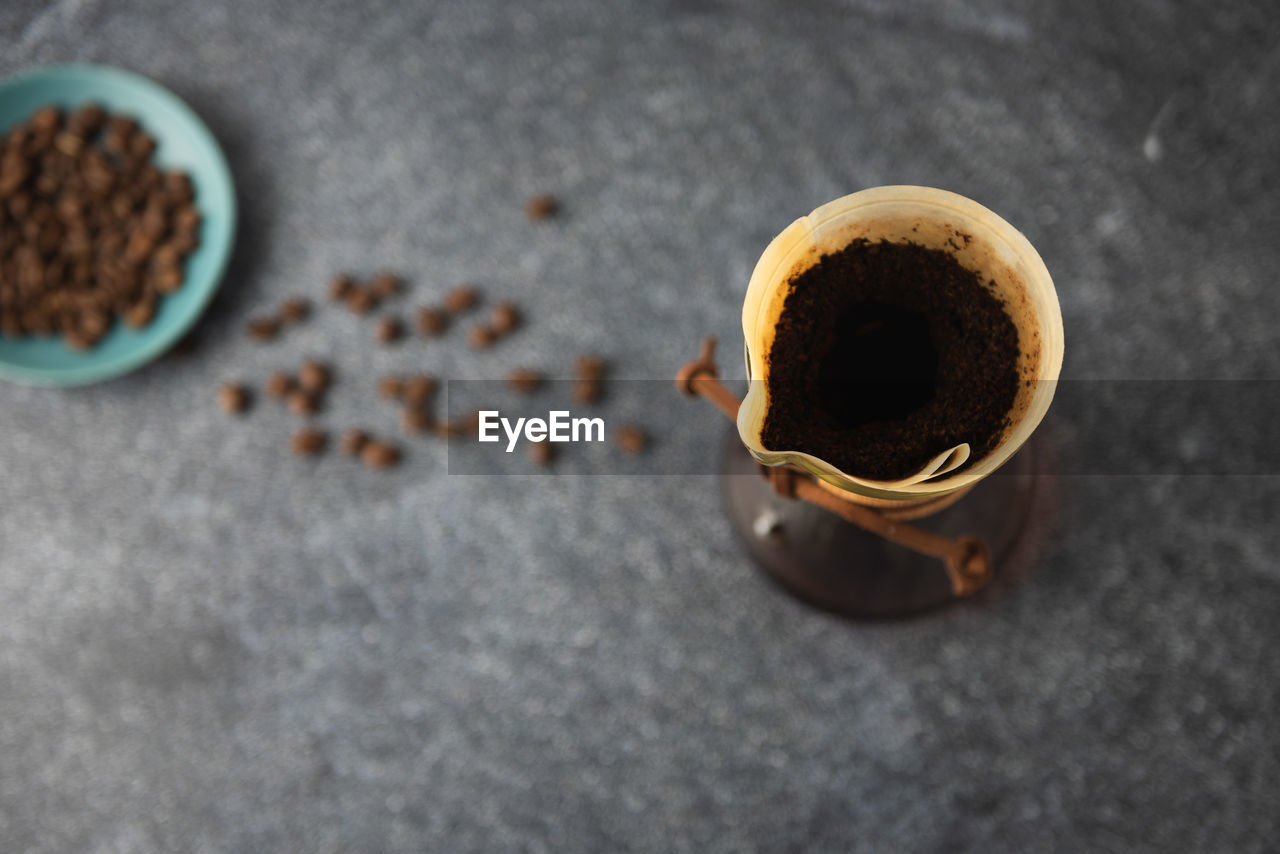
887	354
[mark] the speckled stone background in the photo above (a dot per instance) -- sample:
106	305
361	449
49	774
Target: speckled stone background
206	645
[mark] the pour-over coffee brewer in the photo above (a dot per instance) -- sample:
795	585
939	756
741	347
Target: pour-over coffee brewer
843	540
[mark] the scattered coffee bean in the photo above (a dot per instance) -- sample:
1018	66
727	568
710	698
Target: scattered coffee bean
588	391
504	318
233	399
462	426
542	453
379	455
385	285
341	287
416	419
632	439
524	380
432	321
360	300
353	442
540	207
301	403
448	429
460	299
294	309
589	387
418	390
263	328
391	387
589	367
278	385
313	376
308	442
388	330
481	337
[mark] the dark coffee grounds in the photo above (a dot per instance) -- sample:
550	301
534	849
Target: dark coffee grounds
887	354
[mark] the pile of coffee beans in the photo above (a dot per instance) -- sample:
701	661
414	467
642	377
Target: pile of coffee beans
91	230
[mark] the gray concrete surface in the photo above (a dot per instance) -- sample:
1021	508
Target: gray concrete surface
206	645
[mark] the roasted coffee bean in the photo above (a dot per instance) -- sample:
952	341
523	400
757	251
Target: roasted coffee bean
340	287
391	387
177	186
461	298
167	280
123	126
360	300
415	419
481	337
632	439
524	380
185	243
301	403
449	429
166	256
432	321
388	330
308	442
543	453
70	144
86	120
385	285
541	207
460	427
314	376
73	338
278	385
95	323
353	442
141	313
141	146
186	219
377	454
233	399
589	367
588	390
46	120
12	176
504	318
418	390
292	310
263	328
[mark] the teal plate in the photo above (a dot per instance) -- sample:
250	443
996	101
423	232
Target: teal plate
183	143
